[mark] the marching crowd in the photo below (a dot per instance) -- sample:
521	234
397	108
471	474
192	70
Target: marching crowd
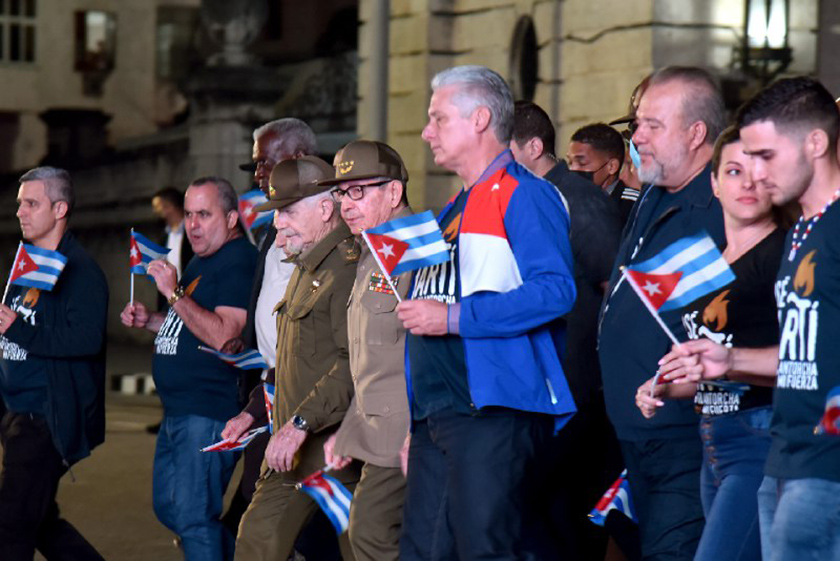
478	405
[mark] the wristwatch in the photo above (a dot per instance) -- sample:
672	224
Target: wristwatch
300	423
177	294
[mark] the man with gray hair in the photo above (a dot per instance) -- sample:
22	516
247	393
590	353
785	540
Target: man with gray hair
312	374
53	378
484	377
679	119
199	391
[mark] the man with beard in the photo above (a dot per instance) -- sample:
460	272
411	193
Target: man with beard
679	118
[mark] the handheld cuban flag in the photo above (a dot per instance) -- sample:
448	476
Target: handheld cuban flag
333	498
247	204
617	498
830	421
228	446
405	244
144	251
681	273
36	267
246	360
268	394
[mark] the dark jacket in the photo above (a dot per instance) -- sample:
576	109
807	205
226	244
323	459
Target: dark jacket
625	197
72	340
630	341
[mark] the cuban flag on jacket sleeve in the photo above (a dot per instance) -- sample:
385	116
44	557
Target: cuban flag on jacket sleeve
333	498
681	273
36	267
251	217
143	252
407	243
617	498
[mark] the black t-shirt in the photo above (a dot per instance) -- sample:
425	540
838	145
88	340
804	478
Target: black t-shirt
23	377
194	382
808	300
438	366
741	314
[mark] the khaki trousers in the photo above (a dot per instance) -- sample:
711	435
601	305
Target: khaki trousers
376	514
274	519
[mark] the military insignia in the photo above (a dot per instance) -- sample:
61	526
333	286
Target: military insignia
378	283
272	192
345	167
315	285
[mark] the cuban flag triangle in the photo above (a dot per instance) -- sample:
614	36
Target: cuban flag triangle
830	421
405	244
617	498
36	267
246	360
236	445
333	498
268	394
143	252
681	273
251	217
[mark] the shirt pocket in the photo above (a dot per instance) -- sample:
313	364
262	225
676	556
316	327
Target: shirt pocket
300	327
381	325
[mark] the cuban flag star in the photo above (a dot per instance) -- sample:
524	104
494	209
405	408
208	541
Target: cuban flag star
247	204
408	243
144	251
333	498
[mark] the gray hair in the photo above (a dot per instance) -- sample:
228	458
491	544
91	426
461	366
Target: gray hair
702	100
292	136
480	86
227	194
57	184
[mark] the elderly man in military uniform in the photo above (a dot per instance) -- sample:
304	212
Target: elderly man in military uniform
370	185
313	385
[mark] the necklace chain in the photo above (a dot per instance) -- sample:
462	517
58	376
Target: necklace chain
797	243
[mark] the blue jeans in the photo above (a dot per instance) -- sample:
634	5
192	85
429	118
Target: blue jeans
735	447
800	519
188	486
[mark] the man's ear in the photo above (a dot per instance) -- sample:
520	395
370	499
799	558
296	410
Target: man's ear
394	191
816	144
613	165
326	208
481	118
60	209
232	218
536	148
698	132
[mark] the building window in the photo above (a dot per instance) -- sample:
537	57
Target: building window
524	62
17	31
95	48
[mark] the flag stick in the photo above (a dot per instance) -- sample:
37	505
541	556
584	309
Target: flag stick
381	267
12	272
131	274
638	290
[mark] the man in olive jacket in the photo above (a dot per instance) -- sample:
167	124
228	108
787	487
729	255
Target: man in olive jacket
313	384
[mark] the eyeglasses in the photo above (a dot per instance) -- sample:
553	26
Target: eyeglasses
356	192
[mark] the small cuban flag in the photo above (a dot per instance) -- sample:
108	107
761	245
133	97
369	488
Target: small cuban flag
246	360
830	421
250	216
228	446
144	251
617	498
268	394
681	273
333	498
36	267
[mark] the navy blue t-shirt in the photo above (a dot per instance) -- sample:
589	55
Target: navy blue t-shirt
194	382
438	366
740	314
23	377
808	300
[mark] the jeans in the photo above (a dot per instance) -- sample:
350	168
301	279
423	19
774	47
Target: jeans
471	486
664	477
800	519
735	447
189	486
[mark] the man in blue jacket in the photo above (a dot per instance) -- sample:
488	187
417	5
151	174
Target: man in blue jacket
483	374
52	378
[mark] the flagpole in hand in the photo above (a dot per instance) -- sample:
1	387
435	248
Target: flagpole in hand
131	274
12	272
381	266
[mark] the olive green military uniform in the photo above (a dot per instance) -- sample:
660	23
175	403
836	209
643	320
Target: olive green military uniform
313	381
376	424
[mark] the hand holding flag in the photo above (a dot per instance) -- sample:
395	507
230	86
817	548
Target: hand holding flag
142	252
405	244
